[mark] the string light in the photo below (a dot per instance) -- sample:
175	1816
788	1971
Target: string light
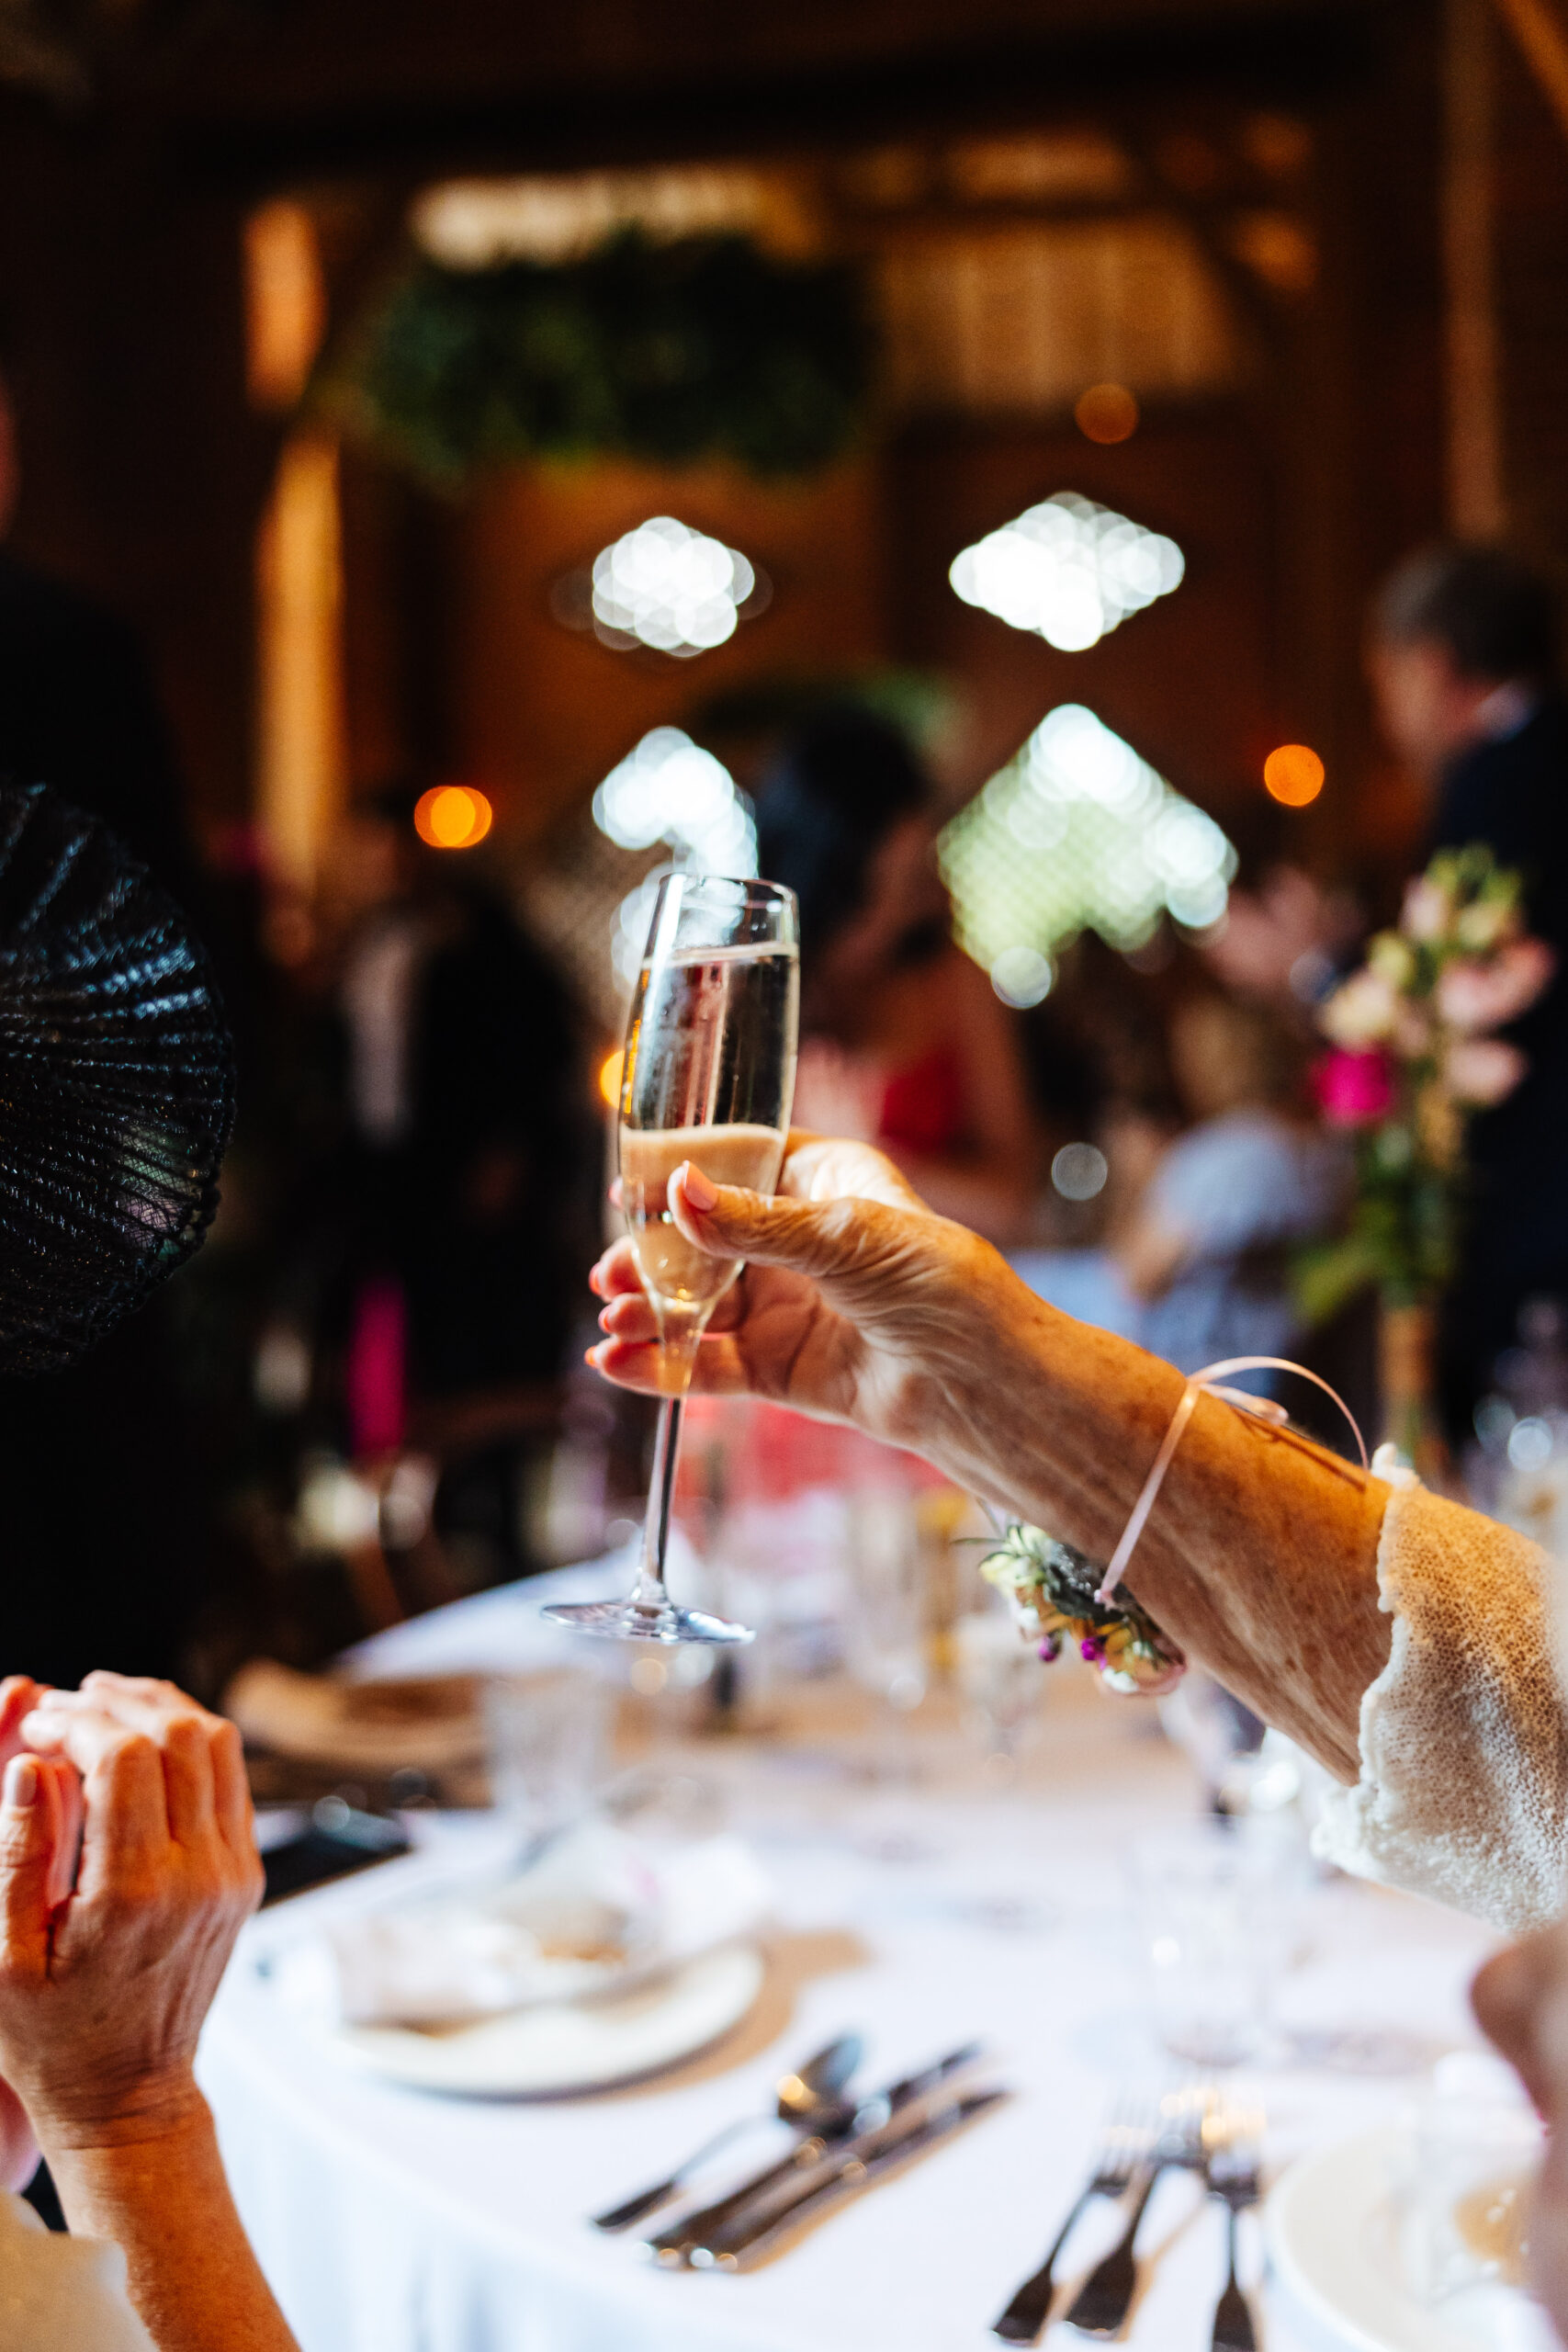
670	790
452	816
670	587
1293	775
610	1070
1078	832
1068	570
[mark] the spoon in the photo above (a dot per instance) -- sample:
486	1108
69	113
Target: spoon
802	2100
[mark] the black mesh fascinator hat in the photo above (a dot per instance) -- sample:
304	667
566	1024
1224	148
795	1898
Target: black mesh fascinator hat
116	1082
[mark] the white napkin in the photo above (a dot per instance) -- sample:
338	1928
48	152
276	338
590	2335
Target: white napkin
598	1911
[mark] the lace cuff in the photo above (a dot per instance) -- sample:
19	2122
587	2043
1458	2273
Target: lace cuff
1463	1793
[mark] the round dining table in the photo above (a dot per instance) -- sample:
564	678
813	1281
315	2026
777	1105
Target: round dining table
964	1902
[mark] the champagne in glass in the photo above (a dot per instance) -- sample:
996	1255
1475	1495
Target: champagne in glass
709	1076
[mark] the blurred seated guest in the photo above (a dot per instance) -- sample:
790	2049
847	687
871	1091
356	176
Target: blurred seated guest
1285	941
1464	659
457	1229
904	1040
1521	1999
109	1958
1206	1251
1197	1268
1406	1641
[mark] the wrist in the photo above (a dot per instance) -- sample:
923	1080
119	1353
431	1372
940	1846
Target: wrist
156	2111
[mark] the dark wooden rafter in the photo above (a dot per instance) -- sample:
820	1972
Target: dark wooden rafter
1538	28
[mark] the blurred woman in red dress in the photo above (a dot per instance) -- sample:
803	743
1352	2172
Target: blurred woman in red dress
904	1042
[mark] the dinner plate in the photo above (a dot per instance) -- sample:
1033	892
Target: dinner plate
1330	2227
547	2051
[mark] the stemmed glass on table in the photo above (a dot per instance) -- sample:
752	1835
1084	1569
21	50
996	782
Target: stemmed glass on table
708	1076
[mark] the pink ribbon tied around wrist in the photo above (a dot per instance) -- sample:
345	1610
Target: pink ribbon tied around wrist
1209	1382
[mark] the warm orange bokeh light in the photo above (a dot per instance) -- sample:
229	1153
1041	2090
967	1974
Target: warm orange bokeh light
1293	774
610	1070
452	816
1106	412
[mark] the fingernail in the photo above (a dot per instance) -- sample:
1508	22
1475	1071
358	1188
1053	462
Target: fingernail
701	1193
21	1782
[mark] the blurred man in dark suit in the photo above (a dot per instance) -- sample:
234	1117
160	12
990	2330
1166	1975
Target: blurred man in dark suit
1464	659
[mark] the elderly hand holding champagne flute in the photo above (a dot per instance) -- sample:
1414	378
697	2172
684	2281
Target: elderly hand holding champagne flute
857	1304
1283	1568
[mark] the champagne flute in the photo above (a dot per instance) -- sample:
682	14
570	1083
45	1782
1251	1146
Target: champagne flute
709	1076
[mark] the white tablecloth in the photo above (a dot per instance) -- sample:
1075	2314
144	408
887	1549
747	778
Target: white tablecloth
393	2221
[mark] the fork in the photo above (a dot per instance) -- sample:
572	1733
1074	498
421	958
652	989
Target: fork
1102	2302
1124	2140
1233	2172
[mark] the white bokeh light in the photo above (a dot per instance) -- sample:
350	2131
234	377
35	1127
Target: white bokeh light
670	587
1067	570
670	790
1077	831
1022	976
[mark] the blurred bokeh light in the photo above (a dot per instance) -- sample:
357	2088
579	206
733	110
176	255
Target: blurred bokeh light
1293	775
1107	413
1078	832
452	816
1067	570
670	587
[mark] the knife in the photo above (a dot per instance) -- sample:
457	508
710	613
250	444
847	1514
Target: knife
669	2246
851	2173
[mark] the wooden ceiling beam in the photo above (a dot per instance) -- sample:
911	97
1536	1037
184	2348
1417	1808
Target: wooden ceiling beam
1296	57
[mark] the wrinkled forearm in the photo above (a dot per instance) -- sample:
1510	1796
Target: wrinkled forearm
1260	1556
163	2197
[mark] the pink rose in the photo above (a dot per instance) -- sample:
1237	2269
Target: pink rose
1482	996
1482	1071
1353	1090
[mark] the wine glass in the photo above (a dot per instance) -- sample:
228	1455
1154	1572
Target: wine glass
710	1077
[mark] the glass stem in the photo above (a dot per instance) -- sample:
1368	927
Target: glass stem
650	1592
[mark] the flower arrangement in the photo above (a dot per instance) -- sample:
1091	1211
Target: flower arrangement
1412	1059
1052	1586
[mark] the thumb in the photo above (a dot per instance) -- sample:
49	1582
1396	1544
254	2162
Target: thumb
27	1820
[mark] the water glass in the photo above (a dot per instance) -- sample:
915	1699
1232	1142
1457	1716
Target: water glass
1212	1902
1464	2207
886	1633
549	1738
1000	1683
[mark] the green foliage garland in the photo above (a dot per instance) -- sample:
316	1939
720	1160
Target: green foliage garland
667	353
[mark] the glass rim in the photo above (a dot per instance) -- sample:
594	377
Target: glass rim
749	886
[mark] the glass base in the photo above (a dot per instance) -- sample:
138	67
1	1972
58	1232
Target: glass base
632	1621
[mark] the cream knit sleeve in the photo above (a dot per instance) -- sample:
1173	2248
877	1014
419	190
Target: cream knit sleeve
1464	1793
62	2294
